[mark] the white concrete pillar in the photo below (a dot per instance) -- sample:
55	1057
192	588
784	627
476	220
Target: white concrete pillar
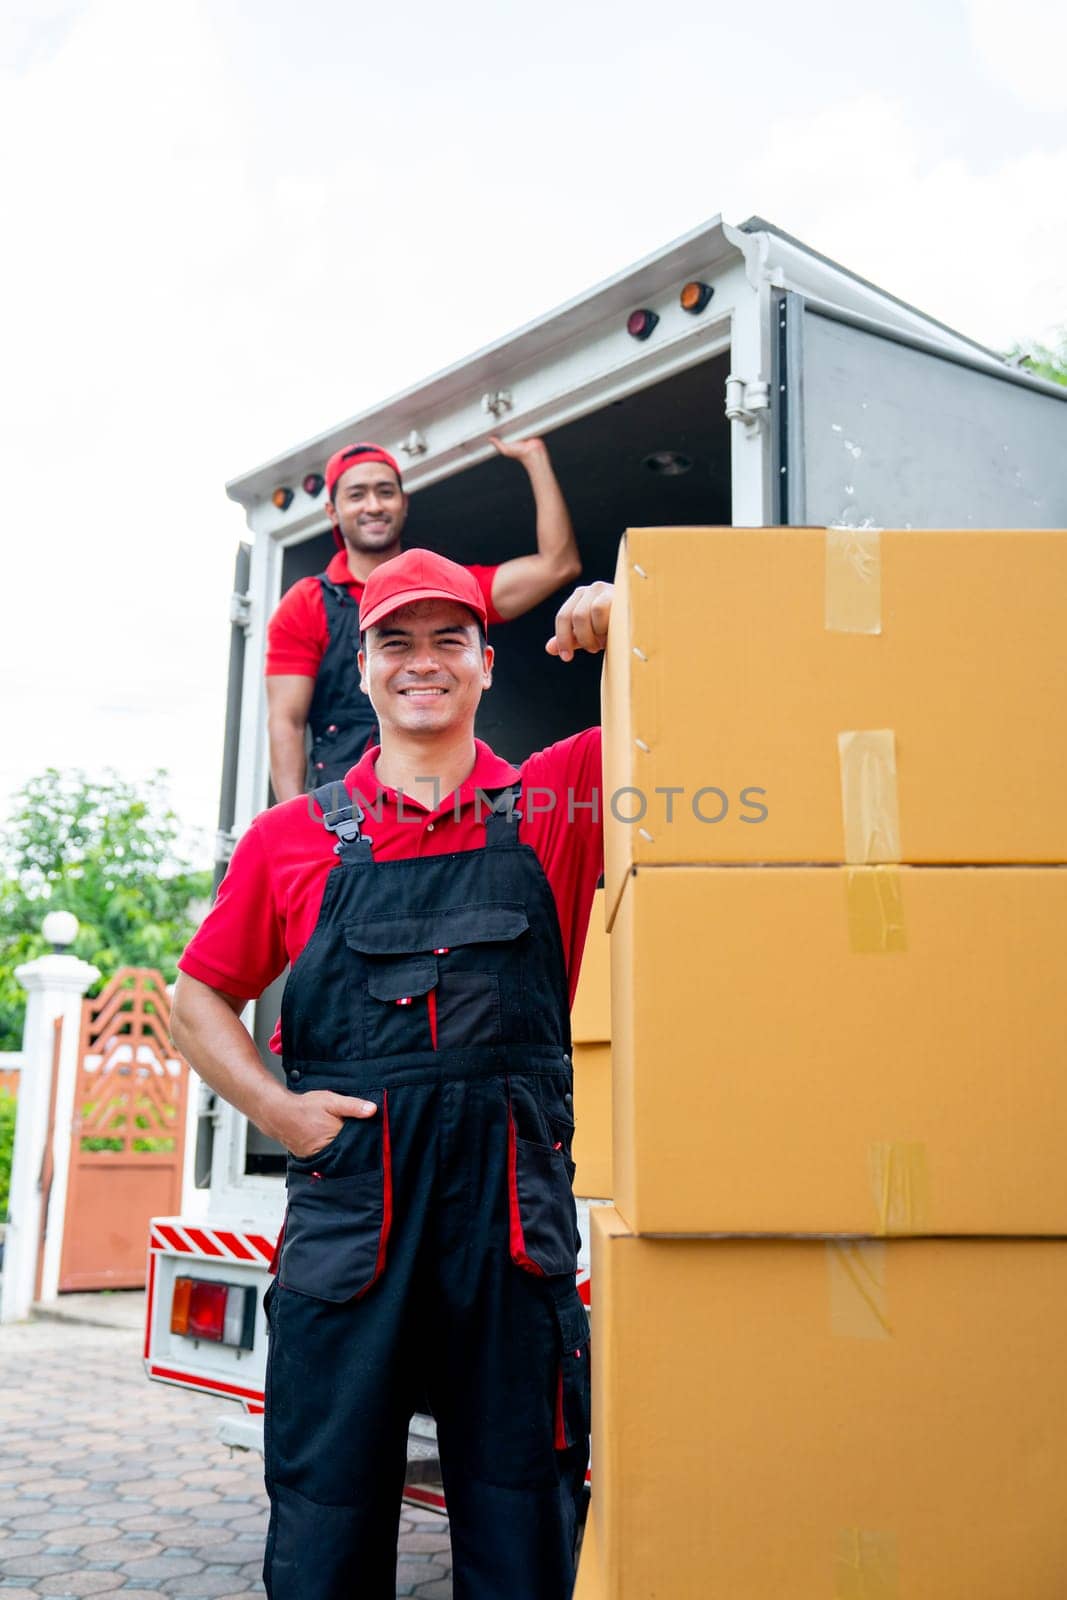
55	985
195	1201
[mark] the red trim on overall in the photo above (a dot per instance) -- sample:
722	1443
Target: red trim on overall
431	1011
387	1197
517	1240
562	1442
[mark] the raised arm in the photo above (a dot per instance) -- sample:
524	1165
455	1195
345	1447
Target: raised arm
288	704
521	584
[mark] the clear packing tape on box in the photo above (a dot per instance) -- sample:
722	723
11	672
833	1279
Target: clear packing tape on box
870	814
867	757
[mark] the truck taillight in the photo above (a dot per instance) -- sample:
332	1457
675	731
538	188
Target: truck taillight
222	1313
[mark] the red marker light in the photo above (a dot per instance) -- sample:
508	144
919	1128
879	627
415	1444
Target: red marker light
639	324
283	498
694	297
314	484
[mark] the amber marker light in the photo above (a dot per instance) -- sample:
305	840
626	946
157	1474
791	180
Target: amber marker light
179	1306
694	297
283	498
639	324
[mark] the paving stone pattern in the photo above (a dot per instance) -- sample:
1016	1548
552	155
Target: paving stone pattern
111	1485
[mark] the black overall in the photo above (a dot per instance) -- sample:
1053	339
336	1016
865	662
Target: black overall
341	717
430	1250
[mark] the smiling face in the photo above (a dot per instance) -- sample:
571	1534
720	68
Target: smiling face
370	508
425	669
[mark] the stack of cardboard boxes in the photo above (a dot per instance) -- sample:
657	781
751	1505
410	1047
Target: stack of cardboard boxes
830	1302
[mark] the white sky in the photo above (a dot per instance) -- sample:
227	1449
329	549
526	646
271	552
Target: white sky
230	226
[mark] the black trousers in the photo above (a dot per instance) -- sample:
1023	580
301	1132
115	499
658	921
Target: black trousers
500	1352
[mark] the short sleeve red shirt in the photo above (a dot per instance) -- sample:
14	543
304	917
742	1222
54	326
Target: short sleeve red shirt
297	633
268	902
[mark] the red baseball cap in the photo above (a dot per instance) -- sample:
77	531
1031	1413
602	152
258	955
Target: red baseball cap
353	455
418	575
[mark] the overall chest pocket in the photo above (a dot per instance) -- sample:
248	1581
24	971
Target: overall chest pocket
438	980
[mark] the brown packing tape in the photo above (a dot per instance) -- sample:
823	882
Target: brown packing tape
875	900
900	1183
865	1565
853	580
859	1294
868	762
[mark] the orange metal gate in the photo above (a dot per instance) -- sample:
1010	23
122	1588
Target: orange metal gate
127	1133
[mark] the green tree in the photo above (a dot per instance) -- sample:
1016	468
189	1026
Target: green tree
1042	360
109	851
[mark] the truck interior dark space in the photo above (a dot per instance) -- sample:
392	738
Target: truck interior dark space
608	468
606	463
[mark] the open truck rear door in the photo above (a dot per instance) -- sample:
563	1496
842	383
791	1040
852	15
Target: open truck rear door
874	427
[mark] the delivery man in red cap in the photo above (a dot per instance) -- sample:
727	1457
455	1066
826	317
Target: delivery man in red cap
434	920
313	636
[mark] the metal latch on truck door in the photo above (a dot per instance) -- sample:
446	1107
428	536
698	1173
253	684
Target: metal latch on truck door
748	403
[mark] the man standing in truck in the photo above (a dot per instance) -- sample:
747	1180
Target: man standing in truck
313	636
430	1241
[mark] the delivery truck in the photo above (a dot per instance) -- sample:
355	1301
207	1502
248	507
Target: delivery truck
734	377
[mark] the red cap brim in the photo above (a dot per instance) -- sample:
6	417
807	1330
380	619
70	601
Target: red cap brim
408	597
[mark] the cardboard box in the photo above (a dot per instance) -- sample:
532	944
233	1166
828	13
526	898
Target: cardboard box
725	682
590	1584
592	1121
591	1011
591	1032
807	1419
833	1050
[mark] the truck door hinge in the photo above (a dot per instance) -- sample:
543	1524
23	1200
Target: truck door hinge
241	610
225	844
497	401
747	403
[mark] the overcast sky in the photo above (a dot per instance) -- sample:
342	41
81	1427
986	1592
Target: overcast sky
230	226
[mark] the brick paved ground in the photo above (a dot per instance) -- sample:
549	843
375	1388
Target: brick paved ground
111	1485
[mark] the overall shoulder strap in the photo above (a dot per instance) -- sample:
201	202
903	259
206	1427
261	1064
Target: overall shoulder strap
342	814
502	821
334	591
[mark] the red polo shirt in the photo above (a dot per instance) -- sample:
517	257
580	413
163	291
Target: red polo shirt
269	900
297	634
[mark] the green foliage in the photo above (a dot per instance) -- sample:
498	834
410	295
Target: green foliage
7	1142
110	852
1043	361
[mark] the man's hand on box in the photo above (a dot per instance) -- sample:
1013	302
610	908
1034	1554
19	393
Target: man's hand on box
582	621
